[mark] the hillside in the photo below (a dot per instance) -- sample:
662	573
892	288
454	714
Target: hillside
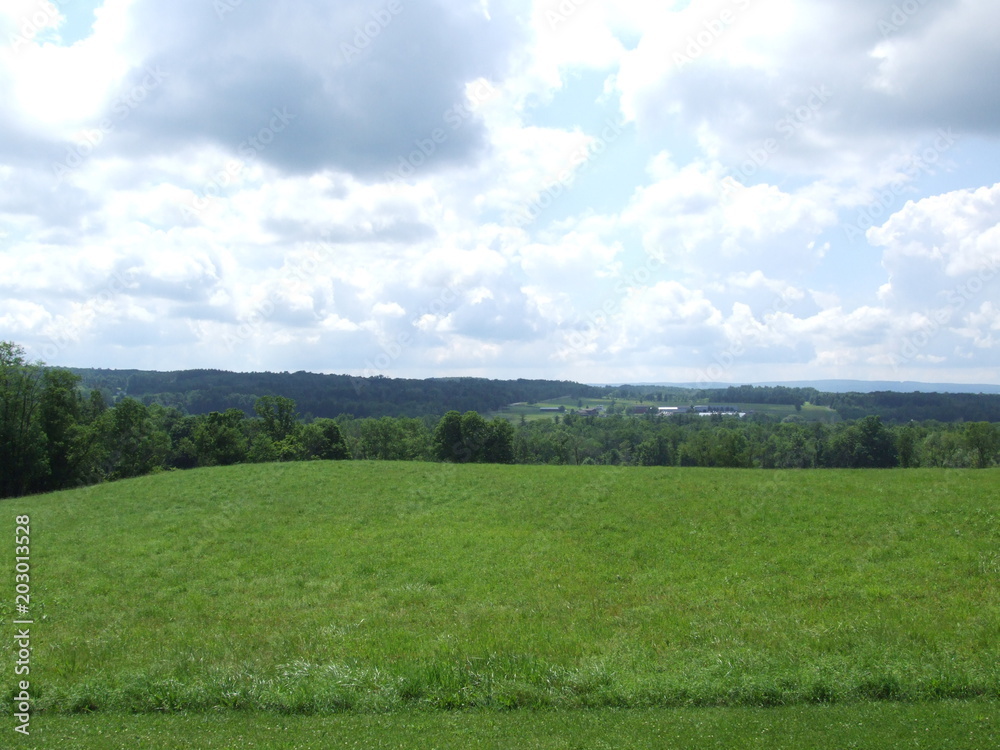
359	586
861	386
319	395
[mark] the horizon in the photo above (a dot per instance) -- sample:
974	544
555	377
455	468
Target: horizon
693	191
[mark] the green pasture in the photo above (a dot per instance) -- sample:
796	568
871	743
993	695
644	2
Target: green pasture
808	412
367	588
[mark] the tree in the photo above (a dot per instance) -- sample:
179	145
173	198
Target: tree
866	444
654	451
474	434
945	448
380	440
132	443
789	446
96	405
181	429
448	438
60	414
732	449
876	448
499	445
290	449
906	444
23	460
983	442
262	449
219	439
323	440
278	416
468	438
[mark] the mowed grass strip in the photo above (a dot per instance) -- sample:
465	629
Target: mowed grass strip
875	726
328	587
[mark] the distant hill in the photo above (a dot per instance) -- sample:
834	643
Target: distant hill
901	386
890	405
203	391
844	386
318	395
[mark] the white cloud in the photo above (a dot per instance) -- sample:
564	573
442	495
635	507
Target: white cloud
956	233
65	91
24	318
695	218
983	326
384	204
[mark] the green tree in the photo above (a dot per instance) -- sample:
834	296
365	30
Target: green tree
498	447
876	448
983	441
468	438
88	448
697	449
381	440
280	424
182	428
262	449
61	411
448	444
96	405
220	440
322	439
731	449
132	443
906	444
278	416
866	444
789	446
945	448
474	434
654	451
23	458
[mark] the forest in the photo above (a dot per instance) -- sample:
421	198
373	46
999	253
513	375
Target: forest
56	434
317	395
204	391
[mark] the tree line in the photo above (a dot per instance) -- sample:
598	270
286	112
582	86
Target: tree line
54	434
318	395
755	442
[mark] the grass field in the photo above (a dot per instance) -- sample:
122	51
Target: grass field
406	589
808	412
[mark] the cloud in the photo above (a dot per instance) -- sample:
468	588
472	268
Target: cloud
695	217
924	89
734	73
957	233
595	190
354	83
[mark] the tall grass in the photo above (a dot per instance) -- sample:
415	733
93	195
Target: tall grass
353	586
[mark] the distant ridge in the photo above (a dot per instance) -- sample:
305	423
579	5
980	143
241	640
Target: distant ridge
843	386
898	386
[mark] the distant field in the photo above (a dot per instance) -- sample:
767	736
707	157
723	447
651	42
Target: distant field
385	587
809	412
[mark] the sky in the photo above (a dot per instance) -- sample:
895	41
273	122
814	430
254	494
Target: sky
595	190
